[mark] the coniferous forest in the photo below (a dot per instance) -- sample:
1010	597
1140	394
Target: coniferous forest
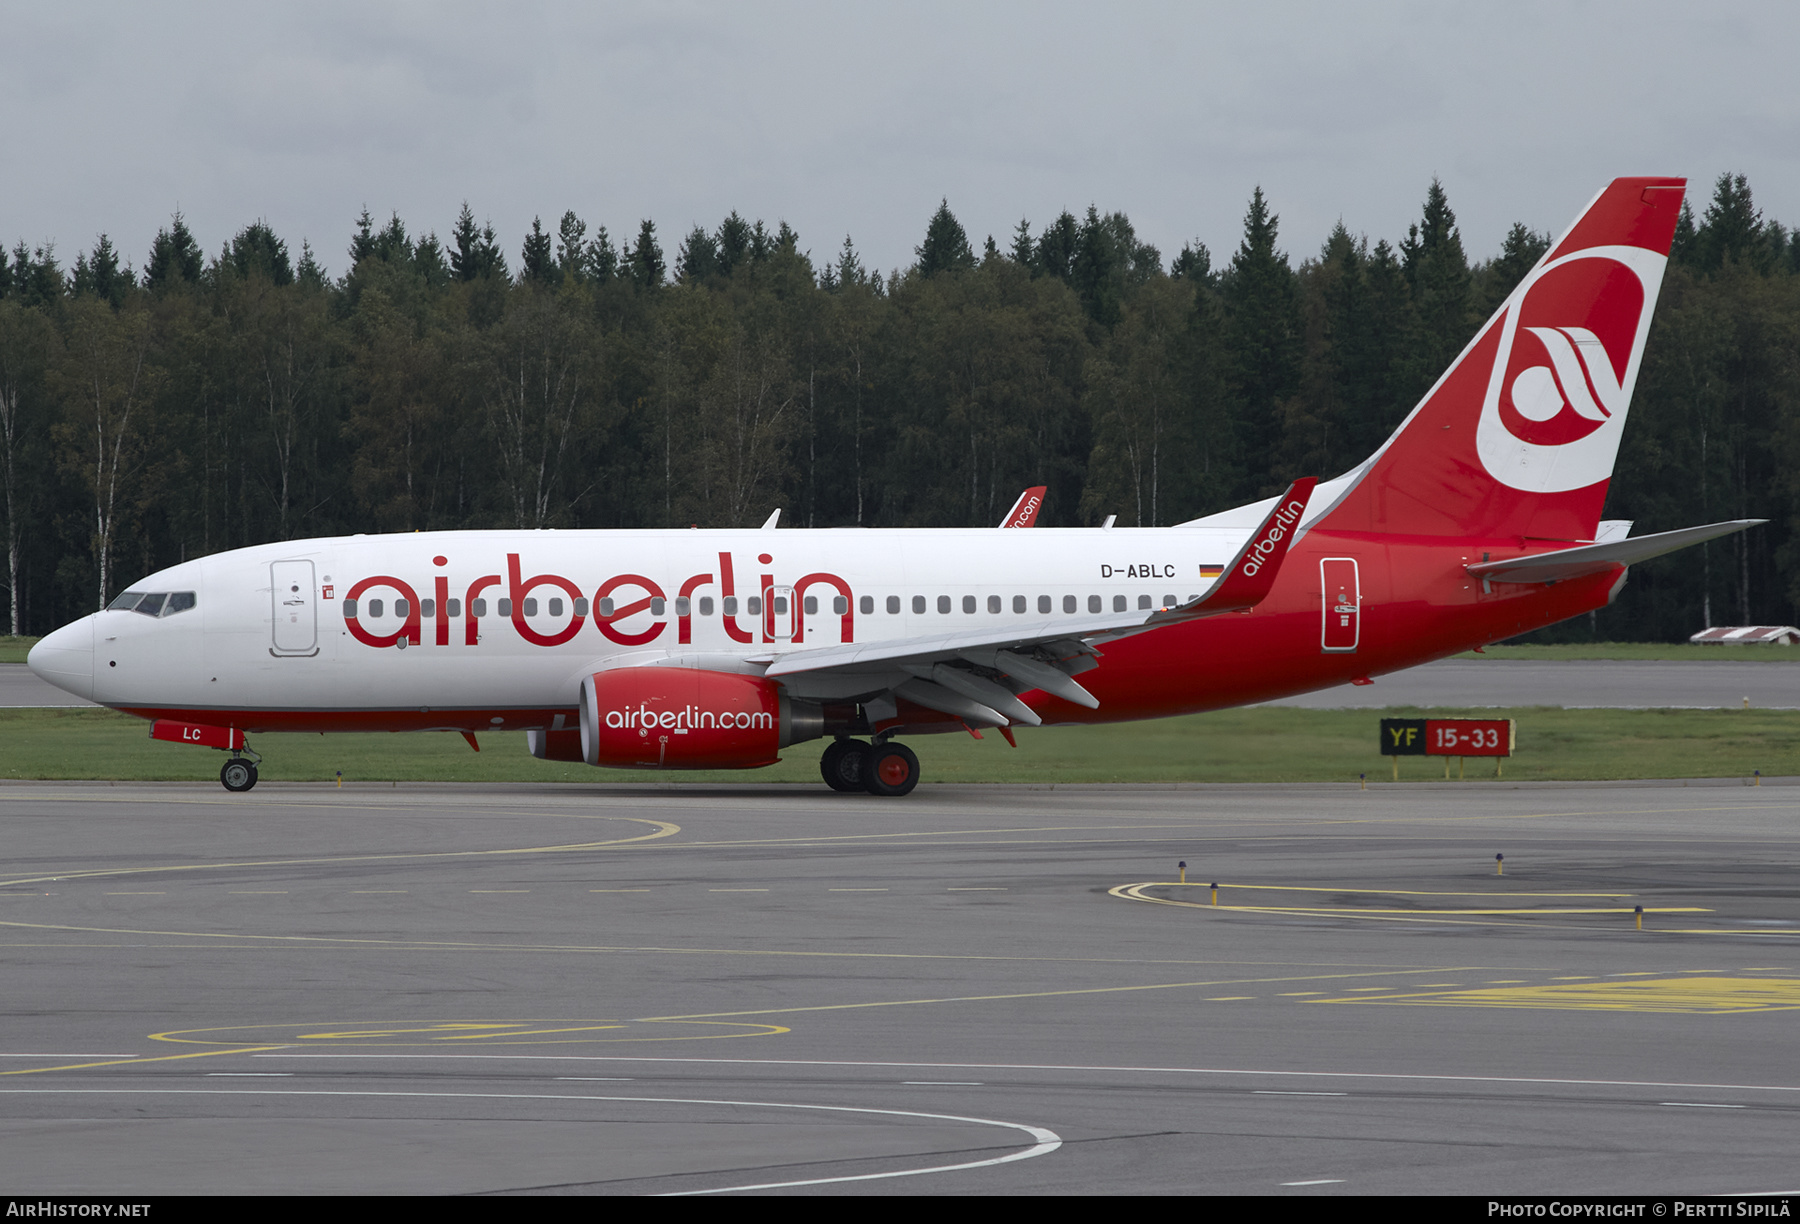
200	403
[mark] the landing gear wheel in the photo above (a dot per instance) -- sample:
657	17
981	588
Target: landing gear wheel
890	770
842	765
238	775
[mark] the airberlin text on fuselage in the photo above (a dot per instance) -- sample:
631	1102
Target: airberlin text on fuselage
629	595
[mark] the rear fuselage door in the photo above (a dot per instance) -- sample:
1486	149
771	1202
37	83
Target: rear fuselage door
294	607
1341	626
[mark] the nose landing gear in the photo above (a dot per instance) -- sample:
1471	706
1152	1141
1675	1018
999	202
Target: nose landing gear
238	774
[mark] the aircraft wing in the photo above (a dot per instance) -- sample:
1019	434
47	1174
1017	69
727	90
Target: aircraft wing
1600	557
964	667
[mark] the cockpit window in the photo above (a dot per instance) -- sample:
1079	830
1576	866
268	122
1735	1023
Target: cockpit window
157	603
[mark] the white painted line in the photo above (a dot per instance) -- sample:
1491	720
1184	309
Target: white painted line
250	1074
1044	1141
943	1083
976	890
1121	1069
1289	1092
1323	1181
1700	1105
69	1056
597	1079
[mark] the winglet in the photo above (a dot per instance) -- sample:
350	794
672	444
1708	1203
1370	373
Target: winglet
1251	574
1025	511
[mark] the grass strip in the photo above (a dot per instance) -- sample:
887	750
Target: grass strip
1267	744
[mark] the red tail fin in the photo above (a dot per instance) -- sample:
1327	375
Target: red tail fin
1519	436
1025	511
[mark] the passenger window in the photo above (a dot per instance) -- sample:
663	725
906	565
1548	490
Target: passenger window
780	602
180	601
506	607
580	607
682	606
1044	605
349	609
1093	603
943	605
968	604
556	607
606	607
657	606
753	605
531	607
125	602
918	604
993	603
1169	601
730	604
841	606
1018	605
893	605
453	607
427	607
1068	603
1143	603
811	605
1118	603
375	609
478	608
706	605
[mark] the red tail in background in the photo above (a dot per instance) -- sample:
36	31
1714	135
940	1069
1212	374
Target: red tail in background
1519	436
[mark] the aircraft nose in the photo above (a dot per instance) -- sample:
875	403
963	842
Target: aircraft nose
66	658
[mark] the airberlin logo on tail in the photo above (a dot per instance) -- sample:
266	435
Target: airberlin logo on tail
1570	343
1279	526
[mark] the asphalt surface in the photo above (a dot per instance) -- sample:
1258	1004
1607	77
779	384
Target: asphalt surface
1572	684
1455	682
977	990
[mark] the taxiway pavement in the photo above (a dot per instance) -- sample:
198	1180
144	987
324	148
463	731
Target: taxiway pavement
977	990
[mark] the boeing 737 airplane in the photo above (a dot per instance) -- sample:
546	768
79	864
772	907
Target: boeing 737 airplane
1478	520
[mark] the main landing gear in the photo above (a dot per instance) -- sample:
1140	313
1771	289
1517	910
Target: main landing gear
886	769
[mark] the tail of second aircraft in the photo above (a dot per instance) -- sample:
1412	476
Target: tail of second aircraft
1519	436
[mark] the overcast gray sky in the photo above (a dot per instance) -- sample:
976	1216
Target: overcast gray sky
858	118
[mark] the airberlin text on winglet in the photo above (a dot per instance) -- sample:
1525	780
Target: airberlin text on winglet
1284	518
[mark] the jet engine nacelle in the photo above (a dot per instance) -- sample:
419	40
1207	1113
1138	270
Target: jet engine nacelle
685	718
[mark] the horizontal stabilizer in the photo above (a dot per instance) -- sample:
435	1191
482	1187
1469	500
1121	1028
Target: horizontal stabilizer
1598	558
